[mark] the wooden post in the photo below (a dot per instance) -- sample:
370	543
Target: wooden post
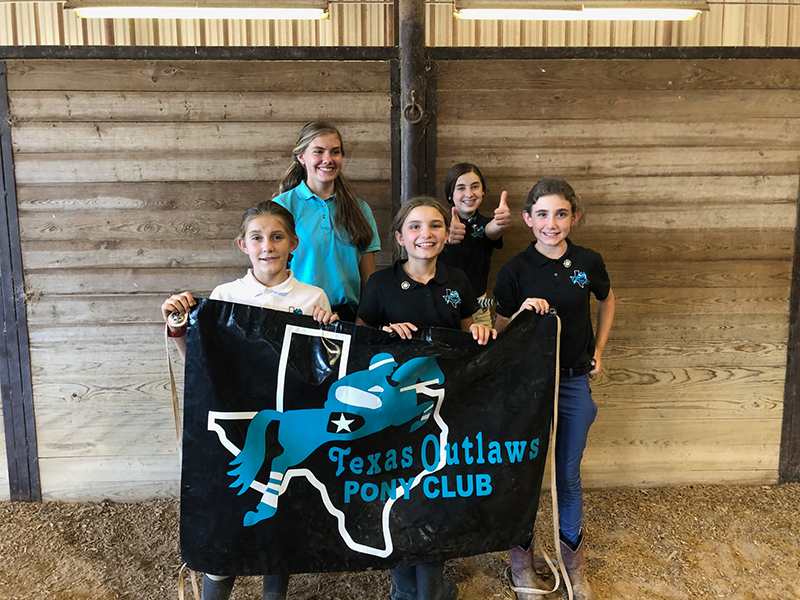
413	92
15	363
789	462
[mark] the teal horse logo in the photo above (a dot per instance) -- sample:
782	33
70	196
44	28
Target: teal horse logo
358	405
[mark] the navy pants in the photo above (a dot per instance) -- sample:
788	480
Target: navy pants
576	413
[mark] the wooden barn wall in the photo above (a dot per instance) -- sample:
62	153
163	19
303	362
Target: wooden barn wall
132	177
689	170
371	23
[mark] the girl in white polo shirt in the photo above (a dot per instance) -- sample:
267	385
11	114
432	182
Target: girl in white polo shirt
267	235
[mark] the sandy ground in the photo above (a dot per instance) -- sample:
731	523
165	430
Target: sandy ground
669	543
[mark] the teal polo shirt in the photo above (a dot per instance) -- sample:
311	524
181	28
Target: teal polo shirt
326	257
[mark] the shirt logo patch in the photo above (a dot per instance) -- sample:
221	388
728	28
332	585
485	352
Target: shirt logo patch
297	311
478	231
579	278
452	298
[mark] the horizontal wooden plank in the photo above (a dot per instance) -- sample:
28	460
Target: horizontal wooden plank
192	165
600	74
100	390
671	302
457	137
198	196
569	163
298	108
596	476
116	309
127	281
750	464
110	254
147	337
361	139
710	327
205	75
745	458
67	429
728	435
771	276
101	230
144	359
684	105
118	478
646	354
693	245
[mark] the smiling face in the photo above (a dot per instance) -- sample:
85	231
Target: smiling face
467	194
268	243
323	162
550	219
423	234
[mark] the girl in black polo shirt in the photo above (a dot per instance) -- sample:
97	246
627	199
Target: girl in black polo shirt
553	271
413	293
473	237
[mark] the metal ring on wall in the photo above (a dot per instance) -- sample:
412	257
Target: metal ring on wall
413	112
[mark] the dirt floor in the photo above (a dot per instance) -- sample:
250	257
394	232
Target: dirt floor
669	543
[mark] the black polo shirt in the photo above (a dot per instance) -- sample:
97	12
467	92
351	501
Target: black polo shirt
473	254
391	296
565	283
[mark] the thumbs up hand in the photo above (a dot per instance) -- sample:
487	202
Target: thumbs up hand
502	214
457	229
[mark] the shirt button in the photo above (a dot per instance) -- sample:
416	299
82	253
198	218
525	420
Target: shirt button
555	274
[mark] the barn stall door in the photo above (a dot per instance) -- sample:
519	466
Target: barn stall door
689	170
132	177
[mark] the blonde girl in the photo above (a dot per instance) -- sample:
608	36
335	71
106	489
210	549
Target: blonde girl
339	234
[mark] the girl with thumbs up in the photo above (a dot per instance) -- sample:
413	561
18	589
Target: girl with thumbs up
473	237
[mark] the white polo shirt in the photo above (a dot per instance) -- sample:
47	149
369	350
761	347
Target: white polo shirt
290	296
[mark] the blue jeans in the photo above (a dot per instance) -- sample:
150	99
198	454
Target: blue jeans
576	413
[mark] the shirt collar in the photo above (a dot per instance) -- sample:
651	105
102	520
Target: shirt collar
405	282
305	193
258	289
541	260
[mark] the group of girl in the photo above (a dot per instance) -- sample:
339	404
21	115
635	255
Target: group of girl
329	237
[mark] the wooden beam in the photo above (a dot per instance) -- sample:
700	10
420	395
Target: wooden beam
413	90
789	462
323	53
15	367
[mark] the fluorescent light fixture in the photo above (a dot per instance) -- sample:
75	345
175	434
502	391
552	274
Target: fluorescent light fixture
199	9
590	10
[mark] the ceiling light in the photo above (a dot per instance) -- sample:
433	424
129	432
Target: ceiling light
589	10
199	9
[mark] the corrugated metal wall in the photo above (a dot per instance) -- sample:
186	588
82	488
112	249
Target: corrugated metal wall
371	23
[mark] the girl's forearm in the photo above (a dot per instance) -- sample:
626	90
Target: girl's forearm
605	318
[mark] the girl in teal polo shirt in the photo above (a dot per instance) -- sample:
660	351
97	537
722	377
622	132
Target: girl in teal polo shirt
338	235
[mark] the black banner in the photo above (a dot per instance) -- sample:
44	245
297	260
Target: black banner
309	448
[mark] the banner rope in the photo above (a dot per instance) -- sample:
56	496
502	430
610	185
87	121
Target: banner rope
179	437
551	452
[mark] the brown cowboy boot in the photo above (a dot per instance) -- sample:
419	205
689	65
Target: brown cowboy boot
523	573
573	563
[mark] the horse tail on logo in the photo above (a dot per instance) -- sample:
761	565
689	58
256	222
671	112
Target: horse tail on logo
252	456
